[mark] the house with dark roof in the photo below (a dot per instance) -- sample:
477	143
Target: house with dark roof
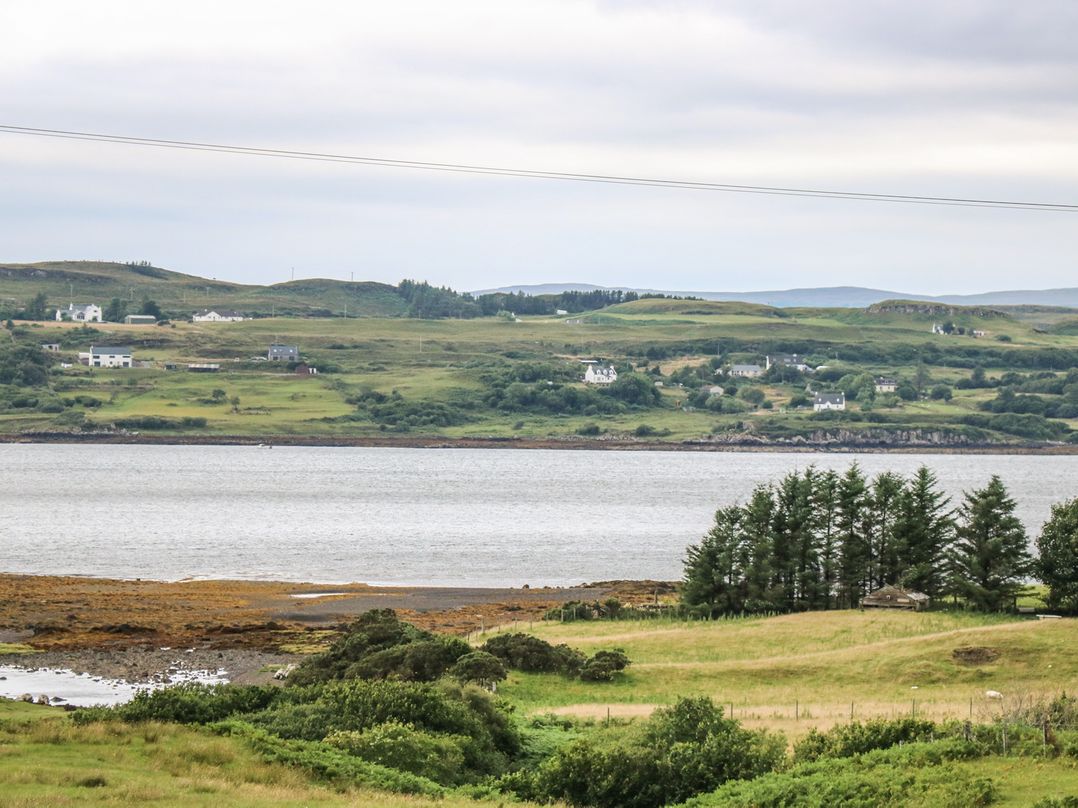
829	401
283	353
886	385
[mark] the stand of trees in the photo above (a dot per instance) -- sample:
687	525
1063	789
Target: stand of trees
821	540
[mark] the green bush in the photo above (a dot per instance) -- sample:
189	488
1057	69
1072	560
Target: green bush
847	740
479	667
683	750
604	666
527	653
402	746
378	645
190	703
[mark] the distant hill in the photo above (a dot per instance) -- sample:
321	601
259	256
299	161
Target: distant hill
178	293
858	297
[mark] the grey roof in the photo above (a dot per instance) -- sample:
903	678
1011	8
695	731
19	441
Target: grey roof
886	380
745	367
109	349
830	398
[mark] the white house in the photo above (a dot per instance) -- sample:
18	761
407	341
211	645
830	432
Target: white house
80	314
597	374
829	401
51	347
885	385
106	356
746	371
217	316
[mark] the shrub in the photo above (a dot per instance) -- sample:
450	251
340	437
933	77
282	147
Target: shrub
531	654
402	746
479	667
604	665
847	740
378	645
190	703
683	750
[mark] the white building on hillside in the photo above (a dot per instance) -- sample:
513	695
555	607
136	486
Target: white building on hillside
598	374
217	316
80	314
746	371
829	401
107	356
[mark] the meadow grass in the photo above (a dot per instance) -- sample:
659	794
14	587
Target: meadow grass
47	761
802	670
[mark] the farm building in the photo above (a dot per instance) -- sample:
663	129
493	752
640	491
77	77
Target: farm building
894	597
140	319
788	360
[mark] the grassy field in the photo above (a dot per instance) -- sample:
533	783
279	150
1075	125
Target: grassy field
793	672
46	761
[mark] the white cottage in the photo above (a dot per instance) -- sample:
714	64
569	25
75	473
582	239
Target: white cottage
829	401
598	374
80	314
217	316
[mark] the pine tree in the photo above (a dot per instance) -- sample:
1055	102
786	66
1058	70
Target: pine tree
713	574
761	593
990	557
797	554
856	551
825	499
886	496
1058	549
924	531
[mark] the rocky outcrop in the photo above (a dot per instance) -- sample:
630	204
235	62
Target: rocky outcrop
933	309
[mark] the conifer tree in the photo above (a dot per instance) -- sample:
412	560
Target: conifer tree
826	501
924	532
991	557
761	592
856	551
886	496
1058	549
713	573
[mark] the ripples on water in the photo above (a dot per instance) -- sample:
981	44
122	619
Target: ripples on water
466	517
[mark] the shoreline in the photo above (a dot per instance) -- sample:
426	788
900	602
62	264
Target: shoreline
570	443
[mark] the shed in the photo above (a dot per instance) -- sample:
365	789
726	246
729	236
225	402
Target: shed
894	597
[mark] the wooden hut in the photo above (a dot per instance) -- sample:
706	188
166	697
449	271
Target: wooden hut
894	597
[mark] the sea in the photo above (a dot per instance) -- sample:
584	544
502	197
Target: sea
399	516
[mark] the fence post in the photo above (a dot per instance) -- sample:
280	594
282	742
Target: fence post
851	711
797	711
1004	730
967	730
1044	733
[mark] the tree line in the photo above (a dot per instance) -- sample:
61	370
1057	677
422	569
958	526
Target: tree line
823	540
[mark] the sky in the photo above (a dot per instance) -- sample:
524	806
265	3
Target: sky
947	97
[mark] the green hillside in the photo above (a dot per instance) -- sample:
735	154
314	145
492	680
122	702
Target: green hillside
997	377
179	294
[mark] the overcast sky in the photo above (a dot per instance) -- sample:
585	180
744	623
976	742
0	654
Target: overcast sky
944	97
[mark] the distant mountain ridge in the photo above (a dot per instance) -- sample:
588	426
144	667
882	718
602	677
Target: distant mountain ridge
857	297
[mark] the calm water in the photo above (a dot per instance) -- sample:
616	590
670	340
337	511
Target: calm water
482	517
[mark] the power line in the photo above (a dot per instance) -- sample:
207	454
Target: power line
463	168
